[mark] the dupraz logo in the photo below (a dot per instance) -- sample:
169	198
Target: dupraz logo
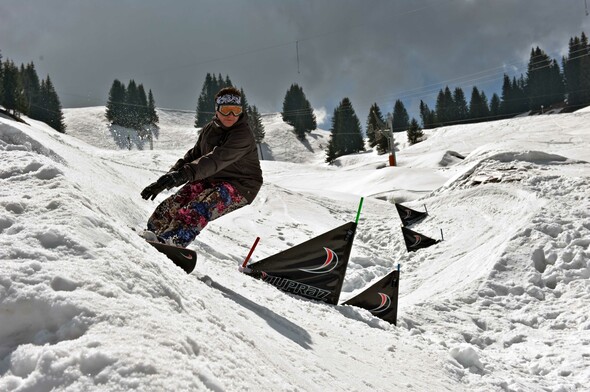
384	305
408	213
417	240
328	265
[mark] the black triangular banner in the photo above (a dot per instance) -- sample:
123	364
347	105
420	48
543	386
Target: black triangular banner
314	269
408	215
381	298
415	241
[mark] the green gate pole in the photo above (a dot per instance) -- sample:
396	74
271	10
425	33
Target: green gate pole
358	214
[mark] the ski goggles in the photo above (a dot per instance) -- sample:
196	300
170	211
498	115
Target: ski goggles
226	110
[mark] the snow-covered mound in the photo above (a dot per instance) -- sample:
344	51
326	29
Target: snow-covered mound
175	130
281	144
501	304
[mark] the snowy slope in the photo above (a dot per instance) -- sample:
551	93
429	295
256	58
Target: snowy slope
500	304
176	130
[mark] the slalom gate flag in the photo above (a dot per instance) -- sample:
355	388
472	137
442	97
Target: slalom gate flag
381	298
314	269
415	241
408	215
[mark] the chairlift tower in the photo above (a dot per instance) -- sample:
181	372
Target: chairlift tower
387	131
391	139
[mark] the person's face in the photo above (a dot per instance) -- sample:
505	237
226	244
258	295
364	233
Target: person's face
227	120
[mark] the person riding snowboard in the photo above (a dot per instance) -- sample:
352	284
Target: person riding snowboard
220	174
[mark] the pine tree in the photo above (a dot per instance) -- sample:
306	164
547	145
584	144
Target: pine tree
255	122
290	105
427	116
51	106
535	87
478	106
205	104
374	121
585	71
201	116
1	82
571	70
253	116
13	97
495	107
521	103
335	145
507	102
576	69
309	120
142	110
227	82
297	111
401	120
556	84
116	108
444	106
299	127
245	105
415	134
346	137
485	107
460	109
331	149
132	103
440	108
32	88
544	81
153	118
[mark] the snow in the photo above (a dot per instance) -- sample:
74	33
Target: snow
502	304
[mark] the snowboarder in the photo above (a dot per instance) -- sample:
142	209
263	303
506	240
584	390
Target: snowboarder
220	174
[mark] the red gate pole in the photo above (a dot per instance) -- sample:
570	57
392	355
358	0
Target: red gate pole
251	251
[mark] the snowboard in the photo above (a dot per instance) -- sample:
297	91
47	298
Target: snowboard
182	257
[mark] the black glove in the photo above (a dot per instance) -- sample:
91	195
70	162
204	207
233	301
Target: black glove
151	191
172	179
167	181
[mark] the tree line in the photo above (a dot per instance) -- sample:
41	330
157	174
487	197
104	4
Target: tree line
346	136
545	86
22	92
130	107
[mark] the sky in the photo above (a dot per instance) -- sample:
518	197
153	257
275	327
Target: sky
376	51
501	304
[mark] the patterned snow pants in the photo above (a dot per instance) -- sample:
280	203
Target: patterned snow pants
183	215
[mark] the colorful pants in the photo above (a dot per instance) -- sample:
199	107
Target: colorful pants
183	215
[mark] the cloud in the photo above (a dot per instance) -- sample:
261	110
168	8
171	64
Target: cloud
321	115
376	51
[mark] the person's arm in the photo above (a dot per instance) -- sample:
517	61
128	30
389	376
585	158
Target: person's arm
176	176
